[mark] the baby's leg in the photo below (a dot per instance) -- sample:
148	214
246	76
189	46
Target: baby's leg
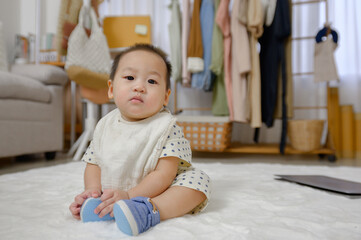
177	201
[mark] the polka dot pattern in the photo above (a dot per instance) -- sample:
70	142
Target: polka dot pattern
196	179
89	155
177	146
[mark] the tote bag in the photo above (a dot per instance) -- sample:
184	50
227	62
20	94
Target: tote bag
90	53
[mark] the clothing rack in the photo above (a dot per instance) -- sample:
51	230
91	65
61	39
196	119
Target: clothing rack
274	148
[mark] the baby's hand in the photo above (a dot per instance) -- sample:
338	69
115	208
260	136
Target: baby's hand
79	200
108	198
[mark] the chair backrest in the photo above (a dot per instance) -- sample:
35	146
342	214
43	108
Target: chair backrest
125	31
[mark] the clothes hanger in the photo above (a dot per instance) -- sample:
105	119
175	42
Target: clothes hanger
325	31
328	26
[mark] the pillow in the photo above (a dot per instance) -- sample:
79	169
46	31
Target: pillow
47	74
3	57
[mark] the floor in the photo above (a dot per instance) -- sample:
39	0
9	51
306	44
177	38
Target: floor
23	163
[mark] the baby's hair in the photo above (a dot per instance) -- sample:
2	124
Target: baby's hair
145	47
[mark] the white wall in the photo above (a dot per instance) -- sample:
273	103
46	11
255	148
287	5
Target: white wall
10	17
27	17
19	17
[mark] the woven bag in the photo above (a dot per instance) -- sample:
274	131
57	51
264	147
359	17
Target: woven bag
92	52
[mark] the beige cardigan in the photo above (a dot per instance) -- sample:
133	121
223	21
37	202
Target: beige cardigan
255	28
241	62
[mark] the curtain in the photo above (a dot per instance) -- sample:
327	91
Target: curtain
346	19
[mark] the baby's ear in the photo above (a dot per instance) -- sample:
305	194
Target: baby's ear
166	99
110	89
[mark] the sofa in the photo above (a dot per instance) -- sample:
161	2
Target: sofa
31	110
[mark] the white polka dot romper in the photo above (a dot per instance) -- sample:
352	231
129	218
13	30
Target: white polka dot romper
187	175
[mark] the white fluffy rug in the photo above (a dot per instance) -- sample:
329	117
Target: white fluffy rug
247	203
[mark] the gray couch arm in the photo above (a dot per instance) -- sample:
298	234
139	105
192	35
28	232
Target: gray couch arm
47	74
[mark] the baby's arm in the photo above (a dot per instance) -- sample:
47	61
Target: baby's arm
92	178
152	185
92	189
157	181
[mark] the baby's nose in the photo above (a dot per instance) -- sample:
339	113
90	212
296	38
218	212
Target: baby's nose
139	87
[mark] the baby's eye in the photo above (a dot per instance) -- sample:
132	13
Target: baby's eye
129	77
151	81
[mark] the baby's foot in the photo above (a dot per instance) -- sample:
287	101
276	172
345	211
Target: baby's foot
136	215
87	211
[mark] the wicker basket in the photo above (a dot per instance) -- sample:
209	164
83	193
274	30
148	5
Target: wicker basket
208	134
305	135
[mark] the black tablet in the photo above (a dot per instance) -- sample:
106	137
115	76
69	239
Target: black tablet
325	182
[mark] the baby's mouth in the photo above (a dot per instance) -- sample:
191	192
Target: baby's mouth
136	99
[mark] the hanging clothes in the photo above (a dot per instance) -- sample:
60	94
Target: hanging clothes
324	61
269	8
272	58
241	61
255	28
289	84
186	75
223	21
174	29
219	101
195	47
204	79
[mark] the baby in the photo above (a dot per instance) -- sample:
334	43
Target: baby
139	169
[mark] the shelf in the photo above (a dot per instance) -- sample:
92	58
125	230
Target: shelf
59	64
271	149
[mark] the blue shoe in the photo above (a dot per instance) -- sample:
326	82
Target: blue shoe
136	215
87	211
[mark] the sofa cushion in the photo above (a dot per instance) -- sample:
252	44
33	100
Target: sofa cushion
13	86
47	74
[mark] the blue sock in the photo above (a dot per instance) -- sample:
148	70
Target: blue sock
87	211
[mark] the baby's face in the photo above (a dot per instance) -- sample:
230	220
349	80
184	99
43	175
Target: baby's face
139	85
